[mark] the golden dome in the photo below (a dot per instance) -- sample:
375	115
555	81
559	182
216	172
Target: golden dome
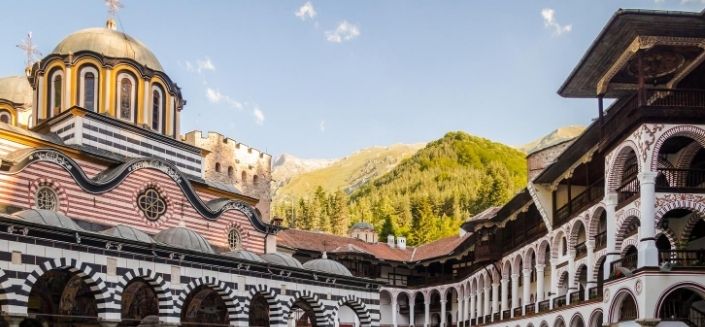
109	43
16	89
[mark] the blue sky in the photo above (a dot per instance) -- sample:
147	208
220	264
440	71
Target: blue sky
355	74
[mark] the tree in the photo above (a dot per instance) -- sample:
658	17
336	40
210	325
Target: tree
339	213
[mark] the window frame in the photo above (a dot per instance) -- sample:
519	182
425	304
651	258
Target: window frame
54	195
133	98
84	70
55	73
238	245
8	114
162	101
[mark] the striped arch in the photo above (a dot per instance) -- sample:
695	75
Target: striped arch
517	264
616	167
556	243
577	275
593	225
672	202
626	244
83	270
541	252
596	268
275	308
623	223
668	233
507	268
573	236
690	131
235	311
166	305
358	306
527	256
312	300
688	228
686	156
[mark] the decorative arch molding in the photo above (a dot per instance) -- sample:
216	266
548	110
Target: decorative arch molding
558	321
112	178
235	311
556	243
668	202
690	131
686	156
626	244
688	285
576	277
527	256
276	316
312	300
62	199
543	324
668	233
617	299
616	166
623	221
577	315
358	306
593	317
516	263
166	303
81	269
688	227
593	225
595	269
573	235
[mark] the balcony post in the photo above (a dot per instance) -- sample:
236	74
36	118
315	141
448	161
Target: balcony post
486	310
648	253
412	302
590	262
478	302
611	254
539	284
394	309
427	309
466	304
495	297
527	289
505	294
443	311
472	306
515	292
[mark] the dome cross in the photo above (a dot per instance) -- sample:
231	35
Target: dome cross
113	6
30	49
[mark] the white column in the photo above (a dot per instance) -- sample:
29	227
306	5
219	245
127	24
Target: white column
394	310
515	291
472	306
486	310
459	310
495	297
590	245
411	310
427	309
467	310
527	288
539	283
443	312
554	281
479	302
648	253
505	295
611	254
571	276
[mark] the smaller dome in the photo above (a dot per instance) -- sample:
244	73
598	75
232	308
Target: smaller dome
49	218
244	255
328	266
16	89
129	233
362	225
282	260
182	237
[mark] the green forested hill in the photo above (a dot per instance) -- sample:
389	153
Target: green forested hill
425	197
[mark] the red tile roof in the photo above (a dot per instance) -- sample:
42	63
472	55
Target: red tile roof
319	242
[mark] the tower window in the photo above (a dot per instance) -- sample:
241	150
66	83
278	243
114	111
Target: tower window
126	97
255	180
88	88
157	107
230	171
244	177
234	241
217	167
46	198
5	117
55	93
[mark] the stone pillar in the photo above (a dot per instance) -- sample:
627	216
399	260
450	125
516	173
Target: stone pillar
427	310
515	292
495	297
505	295
394	310
526	297
486	310
570	286
443	312
648	253
539	284
473	306
411	311
553	280
590	262
610	213
466	307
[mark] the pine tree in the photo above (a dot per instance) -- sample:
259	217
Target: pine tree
339	213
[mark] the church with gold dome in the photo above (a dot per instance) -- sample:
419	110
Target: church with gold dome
110	215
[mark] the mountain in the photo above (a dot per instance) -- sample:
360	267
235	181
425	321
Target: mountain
346	174
556	136
287	166
424	197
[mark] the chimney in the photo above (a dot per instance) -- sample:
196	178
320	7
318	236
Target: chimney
390	240
401	242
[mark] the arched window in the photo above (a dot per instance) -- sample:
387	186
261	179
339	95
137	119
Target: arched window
157	107
233	239
88	88
55	93
126	97
5	117
217	167
230	171
255	179
244	177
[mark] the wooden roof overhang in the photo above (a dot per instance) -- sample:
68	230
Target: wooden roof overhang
675	40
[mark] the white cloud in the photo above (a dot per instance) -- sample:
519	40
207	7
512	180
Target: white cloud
344	32
200	66
259	115
306	11
549	21
322	126
214	96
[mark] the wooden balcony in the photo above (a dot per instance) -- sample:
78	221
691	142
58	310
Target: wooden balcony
680	180
544	305
559	301
683	258
591	195
628	191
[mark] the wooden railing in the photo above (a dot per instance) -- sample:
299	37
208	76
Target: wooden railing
576	297
530	308
517	312
680	180
595	293
544	305
600	241
628	191
577	204
495	316
683	258
671	98
628	261
559	301
580	251
506	314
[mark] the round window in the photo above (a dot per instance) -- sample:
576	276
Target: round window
152	204
233	239
46	198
